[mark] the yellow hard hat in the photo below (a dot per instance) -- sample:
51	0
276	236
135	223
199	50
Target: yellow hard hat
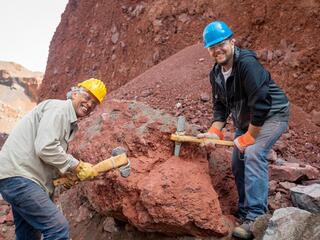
96	87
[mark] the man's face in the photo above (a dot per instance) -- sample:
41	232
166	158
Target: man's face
222	52
84	103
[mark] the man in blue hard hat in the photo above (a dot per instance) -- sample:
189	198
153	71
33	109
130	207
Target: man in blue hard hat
244	89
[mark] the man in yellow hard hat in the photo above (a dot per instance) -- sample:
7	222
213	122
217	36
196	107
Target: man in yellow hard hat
35	154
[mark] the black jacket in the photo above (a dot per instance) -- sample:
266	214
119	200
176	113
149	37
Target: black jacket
249	94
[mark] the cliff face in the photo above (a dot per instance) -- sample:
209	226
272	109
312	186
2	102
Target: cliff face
18	93
118	40
16	76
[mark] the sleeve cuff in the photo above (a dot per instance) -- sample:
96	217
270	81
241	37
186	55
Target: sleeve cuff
72	163
257	123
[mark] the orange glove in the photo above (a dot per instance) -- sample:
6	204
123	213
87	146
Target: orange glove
244	141
216	131
213	133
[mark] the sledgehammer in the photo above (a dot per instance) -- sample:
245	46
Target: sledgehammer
119	160
180	137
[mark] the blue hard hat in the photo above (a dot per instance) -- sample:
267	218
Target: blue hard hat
215	33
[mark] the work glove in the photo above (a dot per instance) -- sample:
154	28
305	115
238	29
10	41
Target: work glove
213	133
244	141
85	171
71	180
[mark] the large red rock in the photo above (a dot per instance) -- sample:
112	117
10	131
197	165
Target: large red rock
172	195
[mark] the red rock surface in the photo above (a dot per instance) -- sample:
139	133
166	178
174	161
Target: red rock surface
293	172
119	42
91	41
145	33
164	193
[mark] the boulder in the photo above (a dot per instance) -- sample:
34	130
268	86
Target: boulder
306	197
287	224
167	194
292	172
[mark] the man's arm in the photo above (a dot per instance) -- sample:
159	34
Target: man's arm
218	125
48	148
254	130
256	83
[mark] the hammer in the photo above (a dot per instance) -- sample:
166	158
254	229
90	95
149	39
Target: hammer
180	137
119	160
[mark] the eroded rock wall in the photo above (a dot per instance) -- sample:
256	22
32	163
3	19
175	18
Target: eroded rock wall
18	93
118	40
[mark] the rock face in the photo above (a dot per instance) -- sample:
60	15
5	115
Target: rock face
122	39
164	193
293	172
16	76
144	33
18	93
287	224
119	42
307	197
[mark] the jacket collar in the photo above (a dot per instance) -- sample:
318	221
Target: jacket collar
236	55
71	111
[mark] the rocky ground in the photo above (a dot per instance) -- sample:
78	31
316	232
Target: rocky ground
150	85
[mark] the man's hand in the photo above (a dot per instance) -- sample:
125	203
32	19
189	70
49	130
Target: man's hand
85	171
244	141
212	133
72	179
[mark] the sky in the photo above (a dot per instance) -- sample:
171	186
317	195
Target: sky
26	29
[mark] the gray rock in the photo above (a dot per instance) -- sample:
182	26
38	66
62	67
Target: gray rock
312	230
115	37
287	185
272	156
204	97
109	225
306	197
260	225
287	224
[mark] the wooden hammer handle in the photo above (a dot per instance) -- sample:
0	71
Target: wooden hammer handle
110	163
185	138
103	166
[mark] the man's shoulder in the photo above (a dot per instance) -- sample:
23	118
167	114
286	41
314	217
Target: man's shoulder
244	56
54	105
55	102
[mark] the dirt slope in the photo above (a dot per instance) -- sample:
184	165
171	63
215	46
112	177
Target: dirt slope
118	40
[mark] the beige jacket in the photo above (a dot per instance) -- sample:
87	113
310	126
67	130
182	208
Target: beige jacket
36	147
